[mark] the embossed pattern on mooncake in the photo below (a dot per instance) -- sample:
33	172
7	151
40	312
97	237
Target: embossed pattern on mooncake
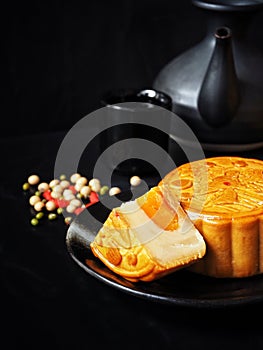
234	185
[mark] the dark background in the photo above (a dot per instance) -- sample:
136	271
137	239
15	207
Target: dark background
62	56
59	59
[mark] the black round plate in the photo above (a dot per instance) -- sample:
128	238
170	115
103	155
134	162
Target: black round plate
181	288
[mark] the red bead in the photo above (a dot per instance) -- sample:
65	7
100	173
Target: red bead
62	203
78	211
93	197
89	204
55	201
47	195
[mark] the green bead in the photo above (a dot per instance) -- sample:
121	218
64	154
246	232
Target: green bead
37	193
52	216
39	215
62	177
60	211
34	222
26	186
68	220
104	190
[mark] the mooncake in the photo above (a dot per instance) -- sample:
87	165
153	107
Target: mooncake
223	197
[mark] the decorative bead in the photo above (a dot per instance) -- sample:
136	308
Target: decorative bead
94	198
85	191
95	185
52	216
82	181
70	208
59	211
67	192
114	190
39	206
26	186
74	177
64	184
33	200
78	187
43	187
68	220
69	197
104	190
55	195
135	180
33	179
40	215
50	206
76	202
58	188
34	221
54	183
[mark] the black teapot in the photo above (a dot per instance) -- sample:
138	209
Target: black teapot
217	85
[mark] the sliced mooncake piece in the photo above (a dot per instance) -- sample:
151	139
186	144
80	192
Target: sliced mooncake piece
149	237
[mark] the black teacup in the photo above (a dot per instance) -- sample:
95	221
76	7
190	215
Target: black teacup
123	106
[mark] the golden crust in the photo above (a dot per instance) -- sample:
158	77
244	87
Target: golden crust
133	261
224	198
220	186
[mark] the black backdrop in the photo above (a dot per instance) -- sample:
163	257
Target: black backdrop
60	57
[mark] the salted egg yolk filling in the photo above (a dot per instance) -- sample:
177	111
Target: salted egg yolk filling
166	246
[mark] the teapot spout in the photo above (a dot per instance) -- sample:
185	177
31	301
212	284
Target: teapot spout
219	97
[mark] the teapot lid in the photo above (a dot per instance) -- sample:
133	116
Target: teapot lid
229	5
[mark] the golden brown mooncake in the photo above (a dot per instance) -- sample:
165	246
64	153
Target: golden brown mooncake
223	196
149	237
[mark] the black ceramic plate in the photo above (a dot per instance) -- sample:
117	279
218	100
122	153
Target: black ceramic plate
181	288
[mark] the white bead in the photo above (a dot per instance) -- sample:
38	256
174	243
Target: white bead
114	190
85	191
55	195
54	183
33	200
74	177
69	197
82	181
75	202
67	192
39	206
70	208
95	185
50	206
58	188
78	187
33	179
64	184
135	180
43	187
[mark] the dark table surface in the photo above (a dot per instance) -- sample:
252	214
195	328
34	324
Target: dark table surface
48	301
